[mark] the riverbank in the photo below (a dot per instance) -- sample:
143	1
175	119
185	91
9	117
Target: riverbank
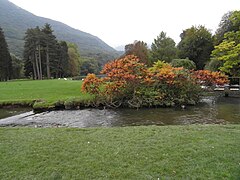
44	95
152	152
211	110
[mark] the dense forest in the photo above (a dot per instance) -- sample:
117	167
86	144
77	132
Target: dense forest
45	56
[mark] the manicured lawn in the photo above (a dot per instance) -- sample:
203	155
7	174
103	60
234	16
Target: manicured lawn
49	91
168	152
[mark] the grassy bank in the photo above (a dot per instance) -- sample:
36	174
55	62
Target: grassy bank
178	152
46	93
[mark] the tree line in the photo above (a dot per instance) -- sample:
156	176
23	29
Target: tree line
46	57
197	48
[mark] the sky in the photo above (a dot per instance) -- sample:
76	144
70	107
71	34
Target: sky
120	22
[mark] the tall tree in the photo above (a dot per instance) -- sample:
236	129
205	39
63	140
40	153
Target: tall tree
163	48
74	59
225	43
139	49
40	52
28	54
32	53
62	68
229	22
196	44
50	48
5	59
17	66
228	51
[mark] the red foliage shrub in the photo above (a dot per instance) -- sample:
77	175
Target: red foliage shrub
209	78
131	83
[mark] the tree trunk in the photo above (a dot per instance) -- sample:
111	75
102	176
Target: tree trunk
37	67
47	63
40	62
34	68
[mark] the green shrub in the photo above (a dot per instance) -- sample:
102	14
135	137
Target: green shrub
213	65
185	63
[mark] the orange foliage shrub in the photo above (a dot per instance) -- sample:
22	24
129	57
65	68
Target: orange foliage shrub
209	78
91	84
129	82
128	69
124	74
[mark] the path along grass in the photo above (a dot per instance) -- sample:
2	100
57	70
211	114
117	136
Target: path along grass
47	92
175	152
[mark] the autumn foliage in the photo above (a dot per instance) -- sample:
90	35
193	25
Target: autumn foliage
92	84
209	78
130	83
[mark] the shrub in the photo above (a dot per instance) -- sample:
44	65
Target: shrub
130	83
209	78
185	63
92	84
214	65
177	84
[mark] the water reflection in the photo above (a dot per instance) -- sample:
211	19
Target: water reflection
4	113
211	111
229	109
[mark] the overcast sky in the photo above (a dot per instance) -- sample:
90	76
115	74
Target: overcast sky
119	22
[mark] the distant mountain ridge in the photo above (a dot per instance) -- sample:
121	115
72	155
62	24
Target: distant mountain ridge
15	21
120	48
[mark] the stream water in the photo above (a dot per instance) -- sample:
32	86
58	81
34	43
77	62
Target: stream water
212	110
4	113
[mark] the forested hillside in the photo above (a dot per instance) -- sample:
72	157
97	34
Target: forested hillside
15	21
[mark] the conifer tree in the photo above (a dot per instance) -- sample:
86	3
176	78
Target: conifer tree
50	47
163	48
40	52
5	59
62	67
33	53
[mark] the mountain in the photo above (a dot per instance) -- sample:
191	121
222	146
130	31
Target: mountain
120	48
15	21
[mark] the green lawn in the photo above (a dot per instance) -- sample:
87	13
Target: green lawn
168	152
49	91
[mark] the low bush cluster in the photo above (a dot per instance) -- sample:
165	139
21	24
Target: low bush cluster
130	83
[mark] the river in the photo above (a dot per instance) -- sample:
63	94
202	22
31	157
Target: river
211	110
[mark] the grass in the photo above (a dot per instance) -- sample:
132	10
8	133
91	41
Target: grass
47	92
169	152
